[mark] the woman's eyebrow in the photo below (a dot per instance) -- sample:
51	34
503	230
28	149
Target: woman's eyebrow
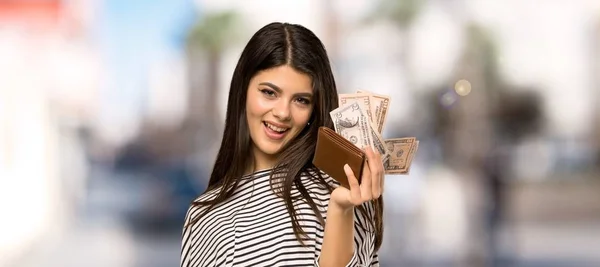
278	89
274	87
309	95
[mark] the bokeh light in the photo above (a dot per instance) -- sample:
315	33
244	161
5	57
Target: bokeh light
462	87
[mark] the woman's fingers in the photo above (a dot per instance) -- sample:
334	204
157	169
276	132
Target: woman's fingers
371	185
366	184
354	186
382	183
375	167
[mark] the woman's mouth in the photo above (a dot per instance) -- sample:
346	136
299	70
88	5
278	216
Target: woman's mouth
274	132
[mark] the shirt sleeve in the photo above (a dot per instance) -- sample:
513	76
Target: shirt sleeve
184	260
364	240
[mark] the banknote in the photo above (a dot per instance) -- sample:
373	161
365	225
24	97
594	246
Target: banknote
401	151
348	124
351	122
379	144
412	153
379	105
364	99
361	118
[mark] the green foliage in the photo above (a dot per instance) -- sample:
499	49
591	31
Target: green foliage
400	12
215	31
481	46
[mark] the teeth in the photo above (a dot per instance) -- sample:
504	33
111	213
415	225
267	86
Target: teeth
274	128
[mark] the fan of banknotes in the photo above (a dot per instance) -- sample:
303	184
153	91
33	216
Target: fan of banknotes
360	119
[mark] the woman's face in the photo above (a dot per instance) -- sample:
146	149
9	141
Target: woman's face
279	104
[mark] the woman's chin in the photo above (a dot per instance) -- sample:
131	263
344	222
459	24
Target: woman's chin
270	150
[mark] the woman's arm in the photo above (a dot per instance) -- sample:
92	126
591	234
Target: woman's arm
338	239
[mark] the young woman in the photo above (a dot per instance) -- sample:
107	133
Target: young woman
266	204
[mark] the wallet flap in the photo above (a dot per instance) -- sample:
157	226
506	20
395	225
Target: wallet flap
333	152
341	140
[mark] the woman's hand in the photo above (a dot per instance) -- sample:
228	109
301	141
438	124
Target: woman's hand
371	186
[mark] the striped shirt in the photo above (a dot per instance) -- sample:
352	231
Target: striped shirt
253	228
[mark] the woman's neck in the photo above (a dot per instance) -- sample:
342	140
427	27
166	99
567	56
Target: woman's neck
261	161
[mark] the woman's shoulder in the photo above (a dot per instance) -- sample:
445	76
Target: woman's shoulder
212	192
318	184
208	195
314	175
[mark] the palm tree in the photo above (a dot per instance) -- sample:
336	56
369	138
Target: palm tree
207	41
332	30
596	88
401	13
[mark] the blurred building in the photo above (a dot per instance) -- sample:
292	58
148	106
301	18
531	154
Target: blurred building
29	191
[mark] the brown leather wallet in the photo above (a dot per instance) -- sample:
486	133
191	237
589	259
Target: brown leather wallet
334	151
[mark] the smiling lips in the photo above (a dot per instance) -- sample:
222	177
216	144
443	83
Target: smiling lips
275	132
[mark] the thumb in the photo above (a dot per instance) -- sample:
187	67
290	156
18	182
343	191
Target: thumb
354	186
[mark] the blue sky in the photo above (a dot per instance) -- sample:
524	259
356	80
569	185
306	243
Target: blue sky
131	35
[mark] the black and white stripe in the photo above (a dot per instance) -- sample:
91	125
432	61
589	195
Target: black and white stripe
253	228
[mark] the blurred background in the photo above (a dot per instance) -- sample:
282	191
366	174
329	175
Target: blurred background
111	112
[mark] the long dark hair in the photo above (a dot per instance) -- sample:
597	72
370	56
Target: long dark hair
274	45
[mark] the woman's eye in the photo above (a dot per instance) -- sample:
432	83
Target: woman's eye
303	101
267	92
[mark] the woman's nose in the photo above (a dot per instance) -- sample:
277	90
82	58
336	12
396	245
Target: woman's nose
282	110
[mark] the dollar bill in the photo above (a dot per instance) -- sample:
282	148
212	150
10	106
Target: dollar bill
379	144
412	152
351	122
364	99
401	151
379	105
